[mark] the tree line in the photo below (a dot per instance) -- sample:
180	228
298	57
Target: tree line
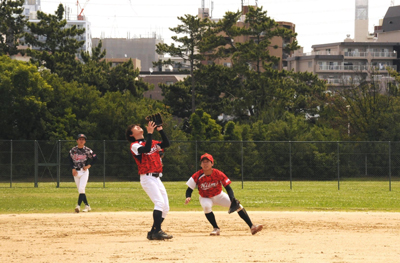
56	96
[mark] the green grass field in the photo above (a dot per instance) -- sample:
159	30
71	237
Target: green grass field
255	196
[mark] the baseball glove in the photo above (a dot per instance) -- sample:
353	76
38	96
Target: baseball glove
156	118
235	206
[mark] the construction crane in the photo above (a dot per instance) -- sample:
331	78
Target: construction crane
80	13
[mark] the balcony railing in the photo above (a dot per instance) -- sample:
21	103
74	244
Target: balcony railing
355	54
338	81
384	54
354	67
343	67
349	54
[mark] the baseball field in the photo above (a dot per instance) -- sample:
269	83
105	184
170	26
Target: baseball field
312	222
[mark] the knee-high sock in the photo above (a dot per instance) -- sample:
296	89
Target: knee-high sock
157	218
153	227
211	218
243	214
84	199
80	199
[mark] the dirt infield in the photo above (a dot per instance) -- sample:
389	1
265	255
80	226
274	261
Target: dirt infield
121	237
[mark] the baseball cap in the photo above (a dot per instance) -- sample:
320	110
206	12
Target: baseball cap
81	135
208	157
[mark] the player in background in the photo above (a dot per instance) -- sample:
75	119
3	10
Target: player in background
81	159
147	156
209	182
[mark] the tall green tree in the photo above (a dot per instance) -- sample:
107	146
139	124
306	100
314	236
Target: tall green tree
258	86
95	68
53	44
125	77
24	97
177	97
96	71
367	111
203	127
193	29
12	24
257	31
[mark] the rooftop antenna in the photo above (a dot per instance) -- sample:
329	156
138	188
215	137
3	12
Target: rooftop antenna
212	8
256	3
392	3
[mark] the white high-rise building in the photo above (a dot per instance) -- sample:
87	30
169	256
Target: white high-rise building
30	10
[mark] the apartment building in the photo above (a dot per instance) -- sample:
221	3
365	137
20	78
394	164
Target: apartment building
366	57
346	63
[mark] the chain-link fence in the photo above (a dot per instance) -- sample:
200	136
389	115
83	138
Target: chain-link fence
47	161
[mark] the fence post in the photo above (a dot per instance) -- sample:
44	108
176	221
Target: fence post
290	164
36	162
242	164
104	163
58	163
338	166
390	167
195	156
11	162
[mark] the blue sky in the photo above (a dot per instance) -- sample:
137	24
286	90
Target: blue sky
317	21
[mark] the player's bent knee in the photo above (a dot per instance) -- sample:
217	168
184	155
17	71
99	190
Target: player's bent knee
159	206
207	210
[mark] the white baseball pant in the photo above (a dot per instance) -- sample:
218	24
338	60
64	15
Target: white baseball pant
155	189
221	199
81	180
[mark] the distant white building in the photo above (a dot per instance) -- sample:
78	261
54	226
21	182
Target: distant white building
30	10
367	57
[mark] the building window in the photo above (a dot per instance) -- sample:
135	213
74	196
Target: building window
169	83
227	64
309	64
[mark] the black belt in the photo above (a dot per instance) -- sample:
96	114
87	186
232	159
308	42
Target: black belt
155	175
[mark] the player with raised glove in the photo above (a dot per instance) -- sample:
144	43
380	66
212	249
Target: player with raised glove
146	153
209	181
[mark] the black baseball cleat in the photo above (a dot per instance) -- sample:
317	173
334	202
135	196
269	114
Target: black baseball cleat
149	235
160	235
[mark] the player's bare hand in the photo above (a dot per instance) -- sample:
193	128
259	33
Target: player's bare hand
187	200
86	167
151	126
74	172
